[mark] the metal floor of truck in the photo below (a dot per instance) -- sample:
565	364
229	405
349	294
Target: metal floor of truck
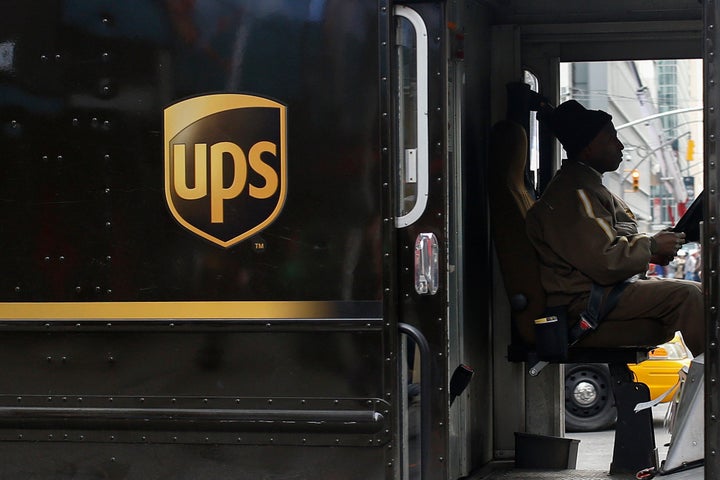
594	459
506	471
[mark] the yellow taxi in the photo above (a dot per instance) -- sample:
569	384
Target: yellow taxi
660	371
589	403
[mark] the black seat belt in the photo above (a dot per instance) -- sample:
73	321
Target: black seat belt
596	310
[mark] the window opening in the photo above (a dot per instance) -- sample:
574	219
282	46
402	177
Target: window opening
533	132
656	107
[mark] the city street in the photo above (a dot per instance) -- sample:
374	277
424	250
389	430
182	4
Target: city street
595	448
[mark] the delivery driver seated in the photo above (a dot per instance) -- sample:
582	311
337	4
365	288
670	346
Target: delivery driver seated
584	234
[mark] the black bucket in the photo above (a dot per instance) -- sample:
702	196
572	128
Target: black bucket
544	452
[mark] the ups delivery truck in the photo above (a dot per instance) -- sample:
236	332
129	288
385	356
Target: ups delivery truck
247	239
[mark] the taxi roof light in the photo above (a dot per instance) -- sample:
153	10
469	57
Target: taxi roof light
668	351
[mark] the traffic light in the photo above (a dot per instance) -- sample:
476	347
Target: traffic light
635	179
690	150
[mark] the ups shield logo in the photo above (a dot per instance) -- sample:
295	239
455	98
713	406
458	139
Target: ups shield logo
225	165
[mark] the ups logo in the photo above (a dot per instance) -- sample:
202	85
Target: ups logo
225	165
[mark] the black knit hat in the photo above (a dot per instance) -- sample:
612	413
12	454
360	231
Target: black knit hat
574	125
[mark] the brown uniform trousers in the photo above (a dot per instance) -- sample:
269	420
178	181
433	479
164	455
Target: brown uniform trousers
651	311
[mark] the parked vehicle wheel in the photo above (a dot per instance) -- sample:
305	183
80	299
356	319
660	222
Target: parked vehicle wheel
589	402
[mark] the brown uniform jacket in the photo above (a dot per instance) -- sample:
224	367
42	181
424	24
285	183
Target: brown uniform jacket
584	234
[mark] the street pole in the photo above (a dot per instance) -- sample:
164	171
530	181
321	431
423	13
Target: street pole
659	115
